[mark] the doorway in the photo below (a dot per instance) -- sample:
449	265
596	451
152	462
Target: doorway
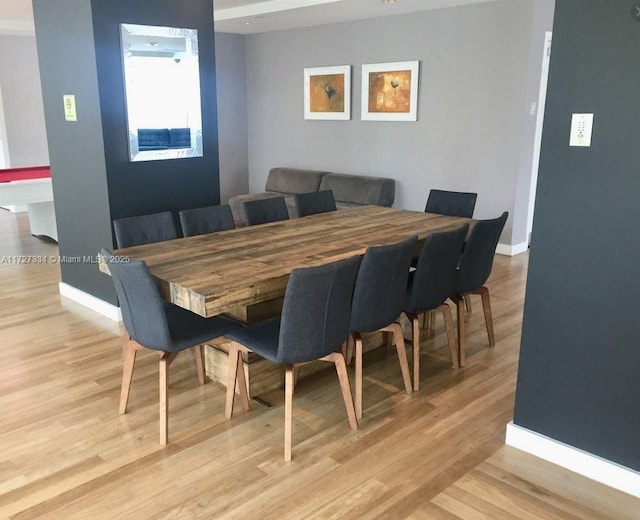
542	97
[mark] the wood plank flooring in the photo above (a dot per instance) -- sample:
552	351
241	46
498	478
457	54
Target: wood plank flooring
65	453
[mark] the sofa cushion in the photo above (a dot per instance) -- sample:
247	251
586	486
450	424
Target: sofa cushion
180	138
358	189
292	180
153	138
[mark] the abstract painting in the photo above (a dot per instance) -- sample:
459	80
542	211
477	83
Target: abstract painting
327	92
390	91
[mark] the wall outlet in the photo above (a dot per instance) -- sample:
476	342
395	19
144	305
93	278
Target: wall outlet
581	126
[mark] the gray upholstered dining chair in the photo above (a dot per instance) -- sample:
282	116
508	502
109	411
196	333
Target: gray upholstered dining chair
261	211
152	323
379	299
472	273
211	219
452	203
144	229
314	202
430	286
314	324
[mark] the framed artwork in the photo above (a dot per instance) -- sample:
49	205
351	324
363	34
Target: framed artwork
327	92
390	91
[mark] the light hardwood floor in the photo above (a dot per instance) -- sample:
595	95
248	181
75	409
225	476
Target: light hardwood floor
65	453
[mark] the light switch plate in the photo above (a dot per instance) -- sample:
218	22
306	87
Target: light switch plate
70	113
581	126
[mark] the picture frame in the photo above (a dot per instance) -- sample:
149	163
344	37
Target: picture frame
390	91
327	93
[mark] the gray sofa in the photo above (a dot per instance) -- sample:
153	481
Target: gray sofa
348	190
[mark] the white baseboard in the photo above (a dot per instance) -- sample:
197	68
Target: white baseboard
511	250
574	459
96	304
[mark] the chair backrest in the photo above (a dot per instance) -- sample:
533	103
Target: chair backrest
316	311
432	280
200	221
261	211
477	258
453	203
144	229
314	202
142	307
380	293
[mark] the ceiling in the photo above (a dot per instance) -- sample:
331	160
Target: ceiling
256	16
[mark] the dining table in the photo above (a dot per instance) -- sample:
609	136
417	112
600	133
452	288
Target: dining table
243	272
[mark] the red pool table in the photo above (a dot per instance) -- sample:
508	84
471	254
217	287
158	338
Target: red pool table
31	186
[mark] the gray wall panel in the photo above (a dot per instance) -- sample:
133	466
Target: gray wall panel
94	182
472	107
579	363
231	84
137	188
68	66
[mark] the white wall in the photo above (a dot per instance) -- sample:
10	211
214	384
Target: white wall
22	101
542	22
473	108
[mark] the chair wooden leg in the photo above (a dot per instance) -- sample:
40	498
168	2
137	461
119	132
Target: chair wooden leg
242	383
462	337
198	352
235	373
341	369
451	338
347	349
358	383
467	305
415	342
398	338
163	371
288	410
488	319
296	374
428	320
129	351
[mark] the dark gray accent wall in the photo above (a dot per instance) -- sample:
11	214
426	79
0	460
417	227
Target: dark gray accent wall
93	180
579	362
137	188
472	107
22	101
66	54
